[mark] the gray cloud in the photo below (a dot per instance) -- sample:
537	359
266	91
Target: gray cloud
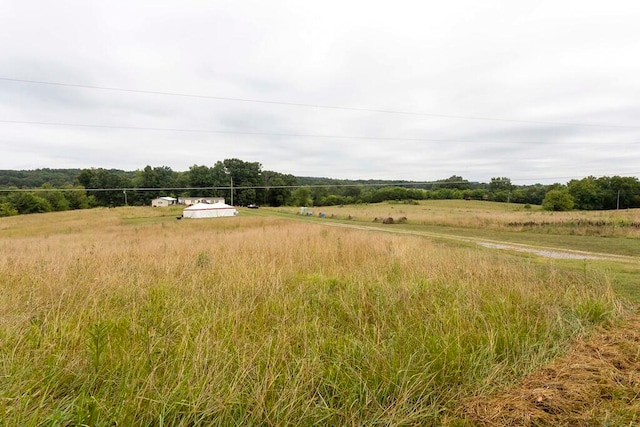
570	62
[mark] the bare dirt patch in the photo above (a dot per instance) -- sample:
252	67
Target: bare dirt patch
541	252
596	383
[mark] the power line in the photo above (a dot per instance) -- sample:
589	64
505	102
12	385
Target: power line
320	106
290	135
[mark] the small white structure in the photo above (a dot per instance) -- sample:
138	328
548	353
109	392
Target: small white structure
205	210
163	202
304	211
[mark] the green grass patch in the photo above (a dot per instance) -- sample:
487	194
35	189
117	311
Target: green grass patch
607	245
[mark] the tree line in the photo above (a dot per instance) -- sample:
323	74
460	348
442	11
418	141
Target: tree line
64	189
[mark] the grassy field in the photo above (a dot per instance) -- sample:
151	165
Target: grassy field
501	221
128	317
494	216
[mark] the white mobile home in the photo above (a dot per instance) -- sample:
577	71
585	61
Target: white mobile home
194	200
163	202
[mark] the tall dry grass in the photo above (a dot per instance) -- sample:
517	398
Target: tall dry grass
494	216
259	321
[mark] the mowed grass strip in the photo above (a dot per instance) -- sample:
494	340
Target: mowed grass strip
262	321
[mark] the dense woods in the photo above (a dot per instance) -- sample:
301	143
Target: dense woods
46	190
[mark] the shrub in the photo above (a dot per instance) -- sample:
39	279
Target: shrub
557	200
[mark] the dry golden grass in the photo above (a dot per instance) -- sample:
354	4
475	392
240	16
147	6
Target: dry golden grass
587	386
495	216
128	316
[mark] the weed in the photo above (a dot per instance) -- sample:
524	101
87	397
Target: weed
202	260
97	343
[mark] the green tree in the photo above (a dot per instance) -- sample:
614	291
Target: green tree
335	199
200	176
161	177
593	193
276	192
585	193
352	191
247	180
500	184
500	189
557	200
626	191
474	194
77	197
518	196
445	193
56	198
398	193
7	209
301	196
535	193
26	203
109	185
37	177
454	182
318	194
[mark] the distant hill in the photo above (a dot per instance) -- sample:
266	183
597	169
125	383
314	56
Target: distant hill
310	180
37	177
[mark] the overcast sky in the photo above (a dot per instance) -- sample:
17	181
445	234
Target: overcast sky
538	91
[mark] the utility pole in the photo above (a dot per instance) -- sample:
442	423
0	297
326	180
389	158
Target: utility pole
125	197
231	190
618	201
